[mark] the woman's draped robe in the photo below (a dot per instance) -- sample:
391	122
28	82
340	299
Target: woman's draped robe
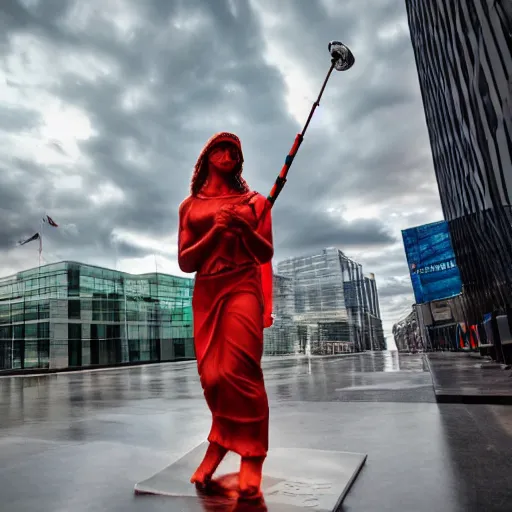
232	303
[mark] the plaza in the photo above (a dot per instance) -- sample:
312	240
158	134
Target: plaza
81	440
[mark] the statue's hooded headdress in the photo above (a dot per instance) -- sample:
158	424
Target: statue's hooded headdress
200	168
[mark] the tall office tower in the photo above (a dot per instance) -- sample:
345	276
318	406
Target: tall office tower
336	307
463	51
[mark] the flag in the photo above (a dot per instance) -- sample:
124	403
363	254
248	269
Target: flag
50	221
31	239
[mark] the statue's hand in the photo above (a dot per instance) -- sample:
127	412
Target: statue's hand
222	219
244	216
227	219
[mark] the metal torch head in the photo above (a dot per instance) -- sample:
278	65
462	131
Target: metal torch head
342	57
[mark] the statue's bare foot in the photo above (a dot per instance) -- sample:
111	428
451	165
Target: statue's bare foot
225	485
251	470
213	457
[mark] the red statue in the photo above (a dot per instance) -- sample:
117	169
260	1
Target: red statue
225	236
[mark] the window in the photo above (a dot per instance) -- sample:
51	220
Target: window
36	352
44	353
17	312
5	314
43	330
75	345
31	312
30	331
31	354
73	280
134	350
74	309
19	332
179	348
75	331
44	309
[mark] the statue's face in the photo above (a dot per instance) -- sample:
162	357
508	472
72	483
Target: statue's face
224	157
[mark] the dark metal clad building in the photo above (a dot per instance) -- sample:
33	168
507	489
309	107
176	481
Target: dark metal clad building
463	51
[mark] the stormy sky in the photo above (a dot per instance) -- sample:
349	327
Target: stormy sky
105	105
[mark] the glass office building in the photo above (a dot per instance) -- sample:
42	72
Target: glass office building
69	314
335	306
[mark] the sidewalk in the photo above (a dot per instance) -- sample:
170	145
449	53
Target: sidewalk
463	378
80	441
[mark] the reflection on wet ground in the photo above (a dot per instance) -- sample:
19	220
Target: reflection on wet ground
80	441
370	377
373	377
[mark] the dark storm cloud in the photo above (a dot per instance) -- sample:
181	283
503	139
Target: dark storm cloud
39	20
129	250
308	229
17	187
378	98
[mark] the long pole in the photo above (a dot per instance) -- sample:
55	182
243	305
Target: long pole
41	225
281	179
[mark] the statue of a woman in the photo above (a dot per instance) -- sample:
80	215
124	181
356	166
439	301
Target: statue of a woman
225	236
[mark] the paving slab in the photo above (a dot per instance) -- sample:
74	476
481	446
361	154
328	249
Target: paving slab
321	481
463	378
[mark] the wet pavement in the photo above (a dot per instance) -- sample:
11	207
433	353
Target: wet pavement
80	441
466	378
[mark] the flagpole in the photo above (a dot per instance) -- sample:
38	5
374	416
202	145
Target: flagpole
41	224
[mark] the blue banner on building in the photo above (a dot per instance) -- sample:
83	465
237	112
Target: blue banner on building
429	252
